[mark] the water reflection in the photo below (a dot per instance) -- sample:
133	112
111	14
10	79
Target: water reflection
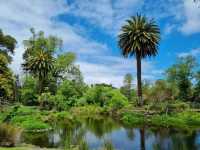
104	133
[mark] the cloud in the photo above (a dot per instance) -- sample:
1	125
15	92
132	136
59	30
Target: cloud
191	14
193	52
182	15
112	69
106	14
27	14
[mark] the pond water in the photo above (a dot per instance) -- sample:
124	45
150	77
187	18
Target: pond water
96	134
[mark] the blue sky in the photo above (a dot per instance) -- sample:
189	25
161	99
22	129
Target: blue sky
90	28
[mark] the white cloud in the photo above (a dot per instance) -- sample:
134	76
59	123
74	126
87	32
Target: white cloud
181	15
107	14
191	14
27	14
111	70
193	52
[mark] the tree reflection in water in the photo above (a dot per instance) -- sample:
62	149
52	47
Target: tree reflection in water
106	134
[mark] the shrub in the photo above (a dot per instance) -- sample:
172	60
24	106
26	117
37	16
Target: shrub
129	118
117	100
46	101
103	96
9	135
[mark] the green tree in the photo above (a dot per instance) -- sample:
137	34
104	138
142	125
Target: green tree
139	37
127	87
103	96
28	90
160	91
40	64
63	65
180	76
7	46
39	56
196	94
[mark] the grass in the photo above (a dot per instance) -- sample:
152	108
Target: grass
89	110
28	118
182	120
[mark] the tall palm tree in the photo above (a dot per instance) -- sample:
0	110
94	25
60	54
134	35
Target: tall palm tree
139	37
40	65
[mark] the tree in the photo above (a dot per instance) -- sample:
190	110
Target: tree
40	65
7	46
196	94
160	91
180	76
28	90
126	89
63	65
39	56
139	37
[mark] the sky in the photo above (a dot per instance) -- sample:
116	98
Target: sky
90	28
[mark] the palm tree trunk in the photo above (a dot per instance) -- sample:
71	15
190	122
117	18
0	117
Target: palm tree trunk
40	85
139	80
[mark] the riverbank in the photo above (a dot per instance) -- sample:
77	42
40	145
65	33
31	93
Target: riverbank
82	123
32	119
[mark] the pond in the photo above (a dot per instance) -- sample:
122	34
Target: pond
104	133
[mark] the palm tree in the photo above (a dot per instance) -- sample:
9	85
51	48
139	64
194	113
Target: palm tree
139	37
40	65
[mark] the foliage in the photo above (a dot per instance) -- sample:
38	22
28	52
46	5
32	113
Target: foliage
130	118
29	91
8	135
88	110
103	96
46	101
38	56
63	64
66	96
180	76
7	46
117	100
196	93
168	107
127	89
29	118
183	120
159	91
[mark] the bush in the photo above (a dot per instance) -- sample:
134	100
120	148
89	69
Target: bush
117	100
27	117
46	100
103	96
70	92
61	103
169	106
8	135
129	118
